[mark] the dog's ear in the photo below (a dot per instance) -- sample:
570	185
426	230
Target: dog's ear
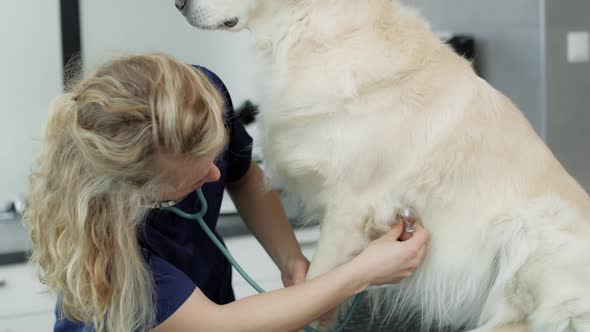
247	112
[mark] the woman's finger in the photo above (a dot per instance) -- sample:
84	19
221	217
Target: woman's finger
396	231
420	236
406	236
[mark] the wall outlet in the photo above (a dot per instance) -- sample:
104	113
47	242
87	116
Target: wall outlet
578	47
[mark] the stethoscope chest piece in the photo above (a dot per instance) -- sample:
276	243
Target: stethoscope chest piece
409	216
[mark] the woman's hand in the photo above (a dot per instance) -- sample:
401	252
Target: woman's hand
388	260
295	271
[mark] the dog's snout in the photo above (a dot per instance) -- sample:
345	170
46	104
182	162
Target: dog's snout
180	4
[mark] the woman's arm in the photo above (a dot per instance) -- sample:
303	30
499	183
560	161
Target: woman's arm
287	309
385	261
263	213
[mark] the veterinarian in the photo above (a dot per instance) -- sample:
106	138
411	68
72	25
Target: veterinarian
145	129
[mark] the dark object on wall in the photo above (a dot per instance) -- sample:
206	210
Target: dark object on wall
465	46
70	36
247	112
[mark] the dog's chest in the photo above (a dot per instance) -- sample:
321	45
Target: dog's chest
297	151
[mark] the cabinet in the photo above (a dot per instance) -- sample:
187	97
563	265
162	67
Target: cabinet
25	306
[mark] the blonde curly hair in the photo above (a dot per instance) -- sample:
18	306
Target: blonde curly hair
90	184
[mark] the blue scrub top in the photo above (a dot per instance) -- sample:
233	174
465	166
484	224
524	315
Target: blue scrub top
180	255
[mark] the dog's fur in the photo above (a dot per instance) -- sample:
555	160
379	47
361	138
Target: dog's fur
366	112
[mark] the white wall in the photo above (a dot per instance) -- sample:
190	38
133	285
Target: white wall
112	26
30	76
508	41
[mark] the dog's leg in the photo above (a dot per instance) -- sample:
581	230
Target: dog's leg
559	289
549	301
338	243
517	327
342	237
520	327
570	313
346	230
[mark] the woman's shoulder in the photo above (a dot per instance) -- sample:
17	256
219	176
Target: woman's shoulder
218	83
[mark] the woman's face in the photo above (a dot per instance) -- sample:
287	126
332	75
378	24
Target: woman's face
181	175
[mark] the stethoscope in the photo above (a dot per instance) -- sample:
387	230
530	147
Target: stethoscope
407	216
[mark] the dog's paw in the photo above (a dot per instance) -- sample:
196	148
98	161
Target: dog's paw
326	323
314	324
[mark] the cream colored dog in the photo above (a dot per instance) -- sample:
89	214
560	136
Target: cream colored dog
367	112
